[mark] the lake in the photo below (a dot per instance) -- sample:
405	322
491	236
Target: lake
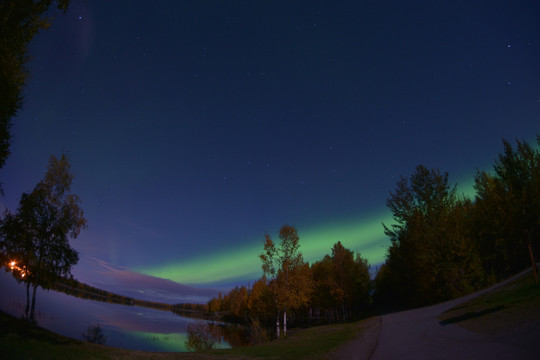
129	327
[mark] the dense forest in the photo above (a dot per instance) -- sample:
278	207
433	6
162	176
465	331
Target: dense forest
443	245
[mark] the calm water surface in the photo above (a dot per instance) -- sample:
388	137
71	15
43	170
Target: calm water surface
129	327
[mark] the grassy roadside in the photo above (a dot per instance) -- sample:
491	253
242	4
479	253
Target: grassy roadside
21	340
311	343
510	313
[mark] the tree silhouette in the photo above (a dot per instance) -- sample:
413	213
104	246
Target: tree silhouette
341	284
36	238
507	205
17	251
20	21
431	257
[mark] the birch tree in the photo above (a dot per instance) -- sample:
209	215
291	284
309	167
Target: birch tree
287	273
37	239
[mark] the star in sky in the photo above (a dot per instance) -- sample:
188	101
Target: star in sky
214	125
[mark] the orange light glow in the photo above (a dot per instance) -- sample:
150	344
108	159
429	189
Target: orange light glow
22	270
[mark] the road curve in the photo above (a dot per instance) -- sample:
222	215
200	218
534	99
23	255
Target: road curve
417	334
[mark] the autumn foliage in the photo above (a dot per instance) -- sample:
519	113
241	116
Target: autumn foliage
293	291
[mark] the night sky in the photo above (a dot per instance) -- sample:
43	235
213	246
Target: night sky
195	128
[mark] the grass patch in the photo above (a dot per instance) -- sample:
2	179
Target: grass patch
22	340
506	309
310	343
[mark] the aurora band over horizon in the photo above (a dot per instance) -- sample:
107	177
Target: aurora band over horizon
364	236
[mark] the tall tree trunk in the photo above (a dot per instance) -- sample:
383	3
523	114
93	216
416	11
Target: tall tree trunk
27	300
277	325
285	322
33	303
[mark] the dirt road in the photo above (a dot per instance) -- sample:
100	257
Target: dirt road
418	334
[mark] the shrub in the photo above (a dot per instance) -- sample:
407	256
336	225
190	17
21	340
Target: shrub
202	335
94	334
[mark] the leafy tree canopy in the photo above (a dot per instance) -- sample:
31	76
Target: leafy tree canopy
36	238
20	21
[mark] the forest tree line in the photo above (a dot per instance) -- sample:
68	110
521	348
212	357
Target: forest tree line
335	288
442	245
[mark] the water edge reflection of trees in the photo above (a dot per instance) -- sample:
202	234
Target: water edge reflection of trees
205	335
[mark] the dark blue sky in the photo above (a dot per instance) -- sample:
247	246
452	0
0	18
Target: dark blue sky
194	128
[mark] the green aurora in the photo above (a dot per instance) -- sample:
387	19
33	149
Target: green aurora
364	235
170	342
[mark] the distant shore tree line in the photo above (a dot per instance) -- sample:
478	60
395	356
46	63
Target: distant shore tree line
443	245
74	287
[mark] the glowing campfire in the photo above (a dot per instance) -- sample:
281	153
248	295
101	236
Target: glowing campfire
13	267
